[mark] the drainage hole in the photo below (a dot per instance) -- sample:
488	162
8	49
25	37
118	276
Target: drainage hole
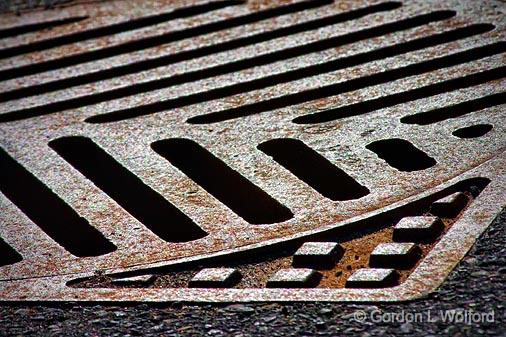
401	154
473	131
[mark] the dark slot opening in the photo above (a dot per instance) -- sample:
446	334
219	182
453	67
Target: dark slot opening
225	184
364	107
343	87
177	79
184	56
238	88
146	205
33	27
456	110
49	212
115	28
473	131
263	82
8	255
157	40
401	154
314	169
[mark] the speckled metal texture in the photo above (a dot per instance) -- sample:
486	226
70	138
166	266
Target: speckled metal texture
334	76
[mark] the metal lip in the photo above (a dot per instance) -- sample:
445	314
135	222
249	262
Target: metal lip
424	280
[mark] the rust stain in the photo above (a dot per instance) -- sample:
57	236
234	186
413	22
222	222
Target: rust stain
342	141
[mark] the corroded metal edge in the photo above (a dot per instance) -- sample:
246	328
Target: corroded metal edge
426	278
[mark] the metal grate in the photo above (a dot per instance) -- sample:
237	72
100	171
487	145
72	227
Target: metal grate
251	148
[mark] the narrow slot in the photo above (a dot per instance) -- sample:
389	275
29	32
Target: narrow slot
314	169
401	154
33	27
338	88
301	97
225	184
238	88
115	28
403	97
192	54
473	131
143	203
8	255
177	79
185	55
57	219
157	40
456	110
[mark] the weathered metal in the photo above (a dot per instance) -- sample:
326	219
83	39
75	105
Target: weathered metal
289	112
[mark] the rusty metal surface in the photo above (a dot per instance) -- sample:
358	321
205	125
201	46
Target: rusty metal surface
265	109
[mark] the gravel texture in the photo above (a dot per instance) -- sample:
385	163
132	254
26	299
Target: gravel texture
476	285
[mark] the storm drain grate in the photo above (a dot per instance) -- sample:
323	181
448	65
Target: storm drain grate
284	150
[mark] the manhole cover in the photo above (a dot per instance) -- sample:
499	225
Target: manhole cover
262	150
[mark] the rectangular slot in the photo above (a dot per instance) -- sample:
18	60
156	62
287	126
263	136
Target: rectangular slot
344	87
195	75
456	110
161	39
115	28
8	255
314	169
382	102
146	205
247	86
401	154
49	212
276	56
185	55
236	192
